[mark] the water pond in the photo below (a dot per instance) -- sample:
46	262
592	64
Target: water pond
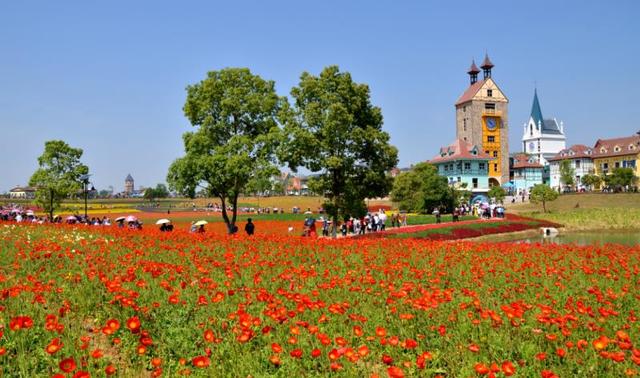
584	238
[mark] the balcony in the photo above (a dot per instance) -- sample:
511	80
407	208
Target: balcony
491	113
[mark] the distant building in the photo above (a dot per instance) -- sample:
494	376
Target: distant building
295	185
22	192
542	138
609	154
581	161
464	163
526	172
482	120
128	185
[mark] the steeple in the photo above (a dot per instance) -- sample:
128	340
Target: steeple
536	113
473	72
487	66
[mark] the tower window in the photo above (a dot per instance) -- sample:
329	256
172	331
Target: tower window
495	154
490	106
491	138
464	124
495	167
489	92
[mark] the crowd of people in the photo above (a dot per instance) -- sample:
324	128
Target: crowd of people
371	222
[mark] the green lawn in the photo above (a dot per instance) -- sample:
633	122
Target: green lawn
589	211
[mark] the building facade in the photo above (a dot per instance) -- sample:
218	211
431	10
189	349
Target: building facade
527	172
616	153
580	158
464	163
543	138
128	185
482	120
22	192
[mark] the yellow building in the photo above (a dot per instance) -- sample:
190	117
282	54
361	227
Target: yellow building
609	154
481	119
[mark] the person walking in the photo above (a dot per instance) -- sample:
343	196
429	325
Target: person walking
249	228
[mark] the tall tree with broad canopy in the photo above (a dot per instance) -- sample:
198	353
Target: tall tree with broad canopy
235	113
422	189
58	175
334	130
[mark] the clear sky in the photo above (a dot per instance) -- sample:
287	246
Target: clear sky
110	76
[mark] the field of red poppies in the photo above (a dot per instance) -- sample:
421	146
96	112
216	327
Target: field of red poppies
95	302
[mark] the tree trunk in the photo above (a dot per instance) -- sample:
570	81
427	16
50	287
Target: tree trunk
51	205
544	206
224	214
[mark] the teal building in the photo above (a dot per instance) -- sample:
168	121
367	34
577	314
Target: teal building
526	172
464	163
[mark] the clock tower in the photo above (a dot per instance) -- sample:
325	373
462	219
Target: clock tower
481	119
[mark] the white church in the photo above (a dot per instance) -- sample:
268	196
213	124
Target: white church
542	138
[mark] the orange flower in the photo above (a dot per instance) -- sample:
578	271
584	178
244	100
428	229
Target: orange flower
133	324
275	359
600	343
508	369
201	361
395	372
209	336
54	346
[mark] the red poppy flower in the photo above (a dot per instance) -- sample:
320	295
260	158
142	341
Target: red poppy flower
68	365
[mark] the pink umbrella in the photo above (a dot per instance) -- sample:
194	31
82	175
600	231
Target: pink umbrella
131	218
71	217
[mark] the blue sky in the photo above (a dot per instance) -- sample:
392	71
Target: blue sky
109	77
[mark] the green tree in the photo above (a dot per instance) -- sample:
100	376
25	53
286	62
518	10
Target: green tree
621	178
160	191
235	113
421	189
497	192
591	181
335	131
542	193
58	174
567	173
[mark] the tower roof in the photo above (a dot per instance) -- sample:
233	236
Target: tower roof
536	113
549	126
473	69
129	178
487	63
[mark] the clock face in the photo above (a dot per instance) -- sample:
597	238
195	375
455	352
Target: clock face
491	123
531	146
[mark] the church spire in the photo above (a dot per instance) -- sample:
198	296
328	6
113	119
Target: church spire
536	113
487	66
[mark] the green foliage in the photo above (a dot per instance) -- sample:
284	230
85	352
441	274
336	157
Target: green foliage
621	178
235	112
542	193
591	181
160	191
334	130
421	189
567	173
497	192
58	174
